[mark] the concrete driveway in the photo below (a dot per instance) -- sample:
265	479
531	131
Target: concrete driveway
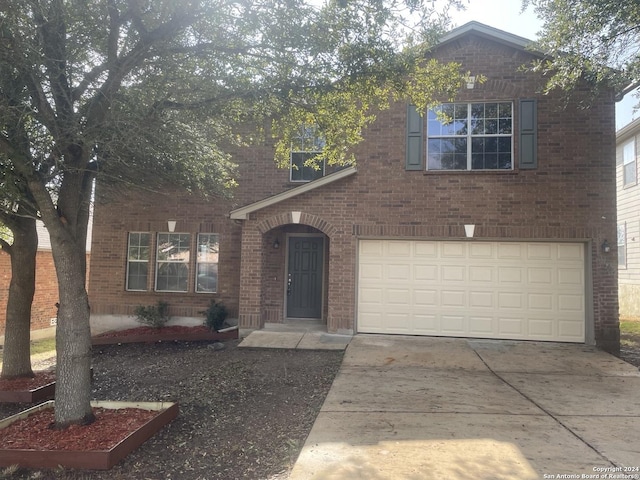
439	408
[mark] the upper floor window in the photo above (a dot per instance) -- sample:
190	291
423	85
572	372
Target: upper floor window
470	136
307	144
629	163
138	261
172	262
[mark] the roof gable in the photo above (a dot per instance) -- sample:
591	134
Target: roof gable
491	33
242	212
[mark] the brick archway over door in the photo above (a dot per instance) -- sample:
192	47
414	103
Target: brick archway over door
305	219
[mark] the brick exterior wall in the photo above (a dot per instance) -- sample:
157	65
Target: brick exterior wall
43	308
570	196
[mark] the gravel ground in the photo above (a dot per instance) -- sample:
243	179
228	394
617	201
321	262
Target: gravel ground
244	413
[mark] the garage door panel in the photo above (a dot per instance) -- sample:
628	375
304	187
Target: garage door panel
540	251
570	252
453	324
426	324
508	290
425	272
370	296
399	321
513	300
510	275
481	299
398	296
371	271
426	250
371	249
453	250
453	298
539	301
481	273
396	271
569	329
453	273
398	249
481	250
425	298
510	327
573	303
541	329
540	276
481	326
509	251
570	277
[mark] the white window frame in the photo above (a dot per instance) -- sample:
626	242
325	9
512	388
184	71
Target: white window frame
622	245
308	143
469	135
130	260
202	258
185	260
629	160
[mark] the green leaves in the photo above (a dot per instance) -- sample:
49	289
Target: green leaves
597	41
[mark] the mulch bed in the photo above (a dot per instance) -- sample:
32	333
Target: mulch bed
109	428
28	383
163	334
244	413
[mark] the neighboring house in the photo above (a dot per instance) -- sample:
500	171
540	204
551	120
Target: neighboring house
43	309
628	238
382	247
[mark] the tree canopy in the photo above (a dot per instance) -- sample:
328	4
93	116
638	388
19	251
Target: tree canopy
137	90
596	40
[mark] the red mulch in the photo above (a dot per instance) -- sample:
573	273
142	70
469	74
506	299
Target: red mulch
41	379
176	329
110	428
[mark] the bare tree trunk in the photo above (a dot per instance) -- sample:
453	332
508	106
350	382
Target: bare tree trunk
73	337
16	361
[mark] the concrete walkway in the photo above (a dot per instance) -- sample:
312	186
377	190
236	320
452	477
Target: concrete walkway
298	335
439	408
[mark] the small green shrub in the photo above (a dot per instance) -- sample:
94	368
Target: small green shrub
155	316
215	315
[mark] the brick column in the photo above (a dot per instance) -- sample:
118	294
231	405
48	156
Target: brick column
342	284
250	277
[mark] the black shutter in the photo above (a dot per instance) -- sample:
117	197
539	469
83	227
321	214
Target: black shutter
414	139
528	134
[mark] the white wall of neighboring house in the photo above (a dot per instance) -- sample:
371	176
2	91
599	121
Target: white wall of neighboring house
628	198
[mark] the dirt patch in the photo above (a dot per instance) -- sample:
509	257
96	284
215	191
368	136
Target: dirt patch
244	413
630	349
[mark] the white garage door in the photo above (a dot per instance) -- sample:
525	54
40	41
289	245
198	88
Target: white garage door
505	290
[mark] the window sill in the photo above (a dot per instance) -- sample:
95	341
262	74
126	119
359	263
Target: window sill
470	172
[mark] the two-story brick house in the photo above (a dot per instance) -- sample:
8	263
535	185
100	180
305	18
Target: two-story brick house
491	225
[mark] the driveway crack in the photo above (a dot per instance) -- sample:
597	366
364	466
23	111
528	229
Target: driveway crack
547	412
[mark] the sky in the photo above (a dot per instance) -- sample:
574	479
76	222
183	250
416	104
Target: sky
505	15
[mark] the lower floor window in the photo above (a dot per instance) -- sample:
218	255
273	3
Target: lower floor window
138	261
622	245
172	262
207	263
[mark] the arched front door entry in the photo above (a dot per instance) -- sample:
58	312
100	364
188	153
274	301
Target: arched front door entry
305	262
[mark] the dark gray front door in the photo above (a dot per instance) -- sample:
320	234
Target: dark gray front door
304	277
